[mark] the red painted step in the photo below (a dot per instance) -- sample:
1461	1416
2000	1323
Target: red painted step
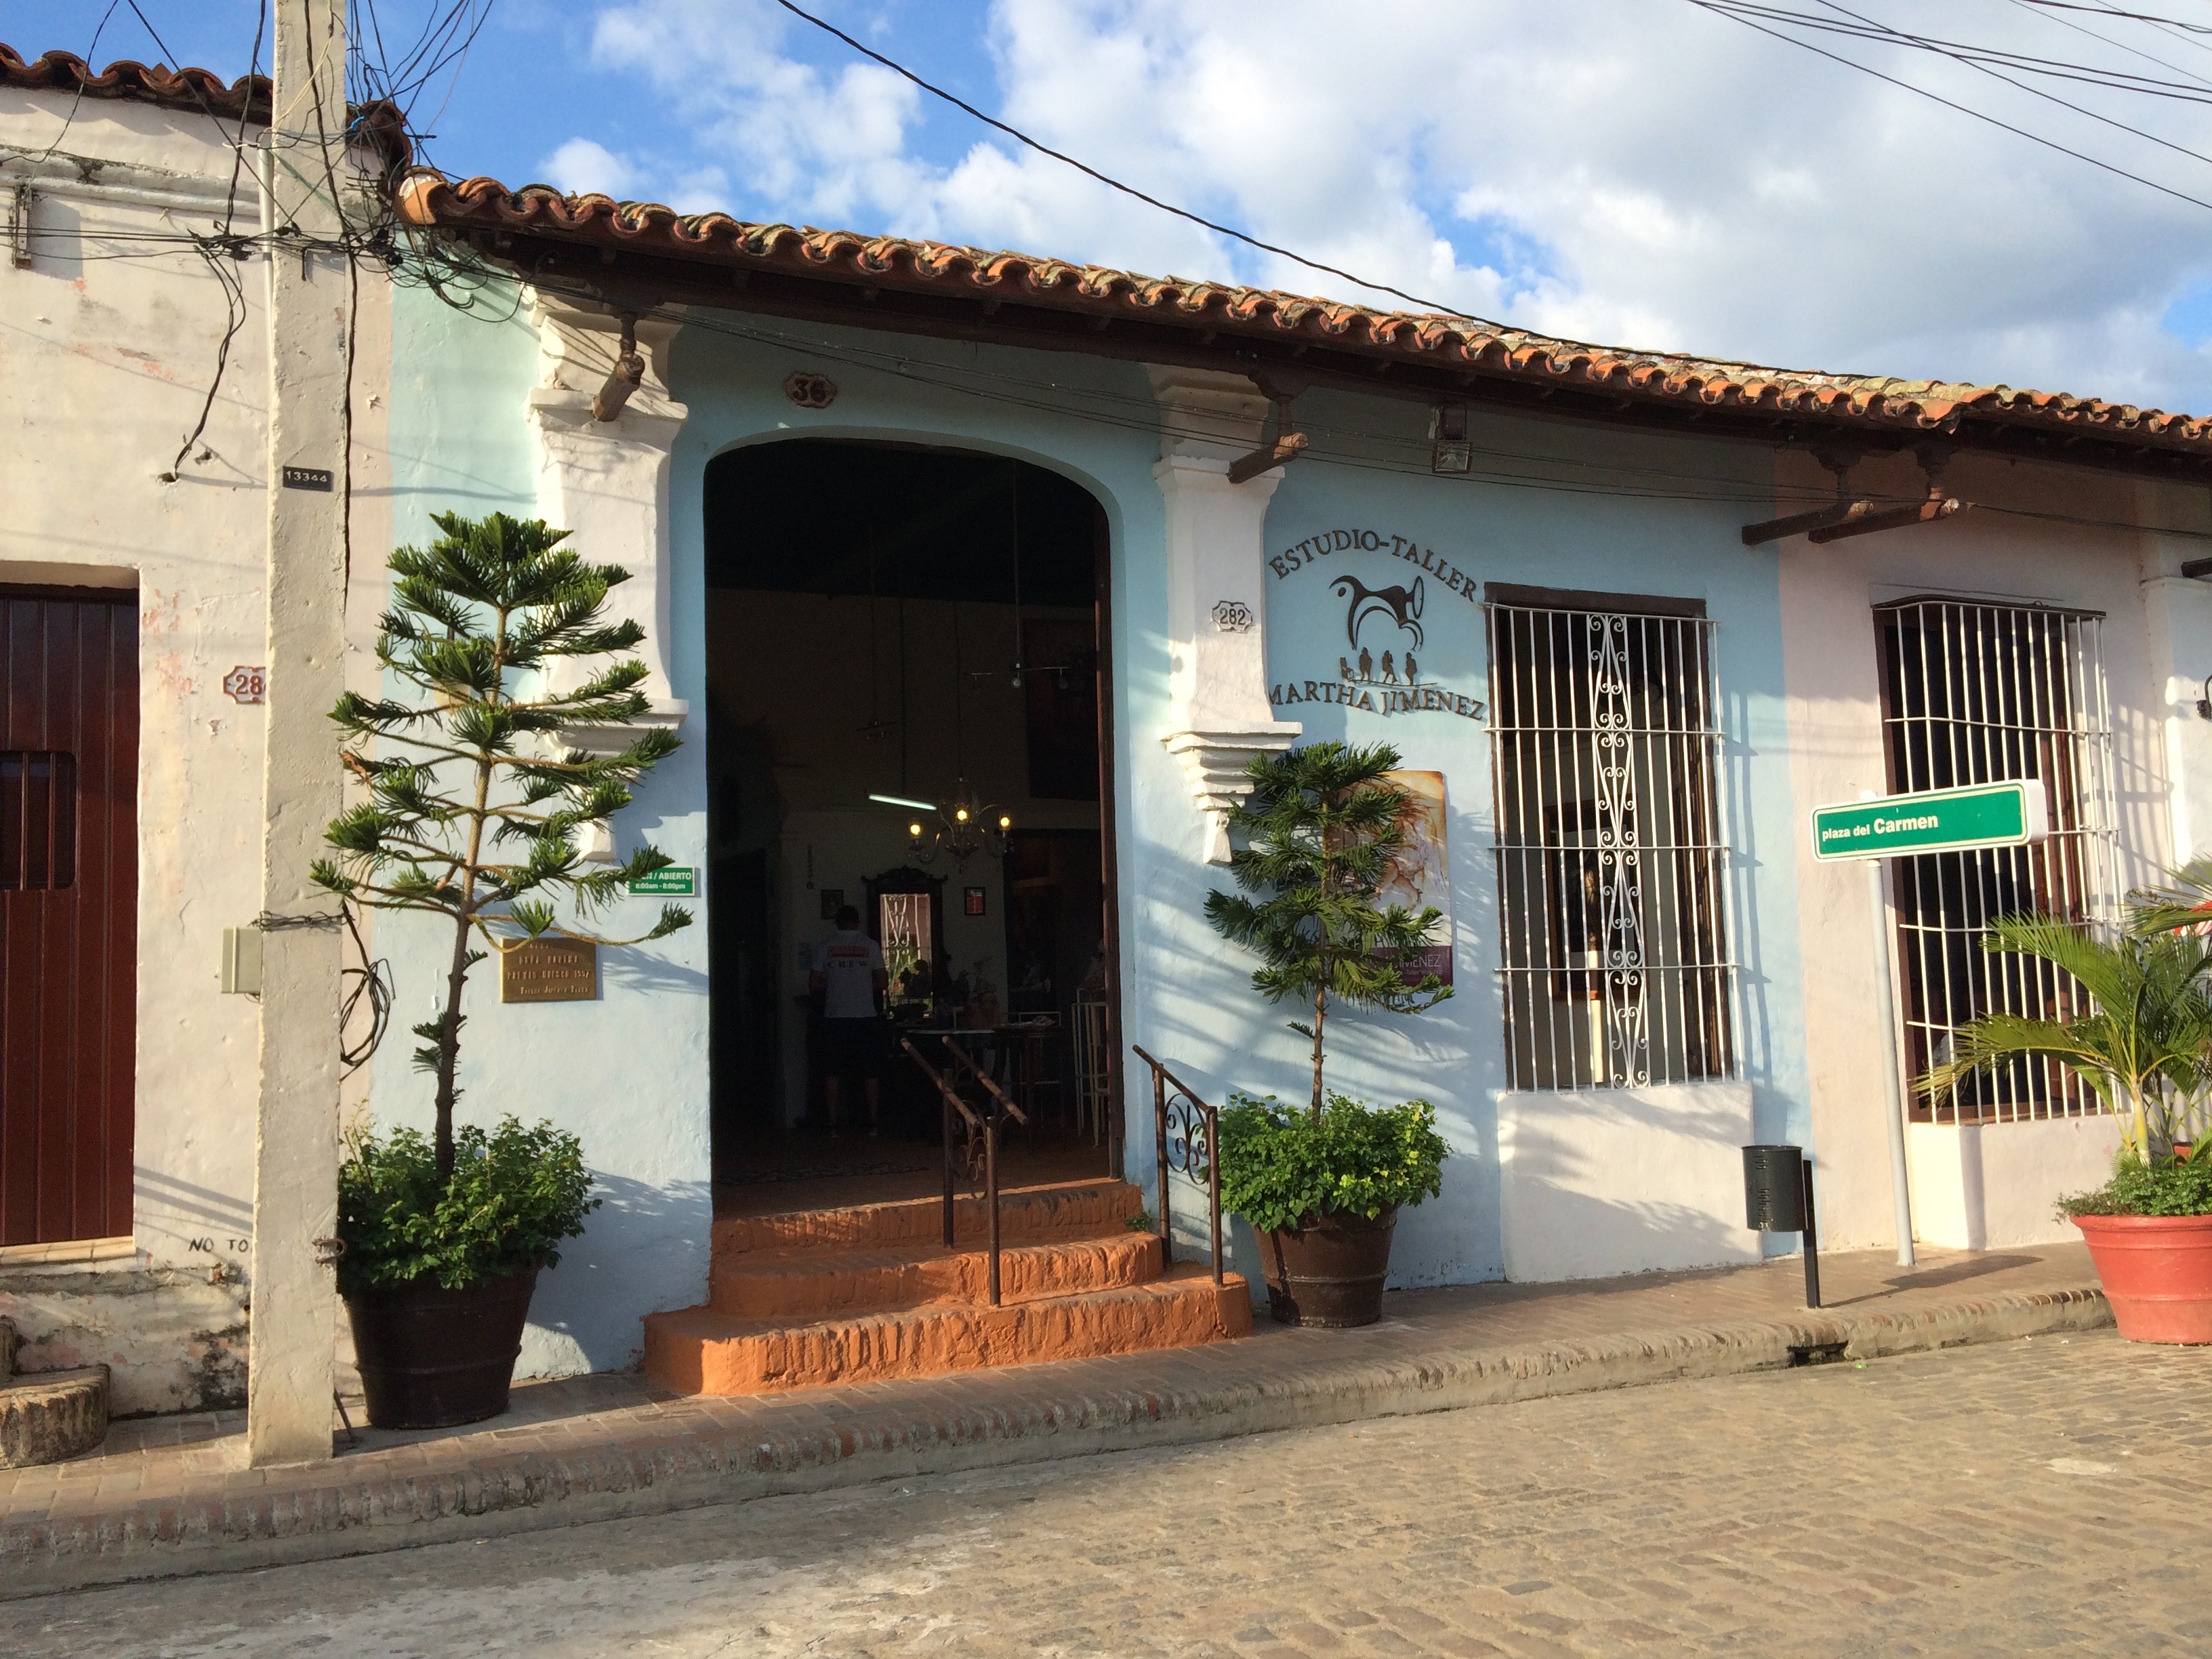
699	1350
1064	1207
811	1284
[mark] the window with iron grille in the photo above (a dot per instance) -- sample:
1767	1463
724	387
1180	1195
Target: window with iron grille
37	819
1978	693
1611	859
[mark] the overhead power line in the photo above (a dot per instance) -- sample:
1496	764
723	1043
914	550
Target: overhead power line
1021	137
1859	26
1735	13
2156	21
1982	64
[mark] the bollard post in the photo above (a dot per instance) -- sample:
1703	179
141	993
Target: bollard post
1812	1236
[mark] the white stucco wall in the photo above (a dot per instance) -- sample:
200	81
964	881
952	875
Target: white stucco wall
105	363
1996	1185
1836	753
1619	1181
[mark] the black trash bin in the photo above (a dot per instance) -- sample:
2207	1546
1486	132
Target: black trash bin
1774	1188
1778	1198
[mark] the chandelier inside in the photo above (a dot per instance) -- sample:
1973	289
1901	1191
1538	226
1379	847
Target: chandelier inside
965	826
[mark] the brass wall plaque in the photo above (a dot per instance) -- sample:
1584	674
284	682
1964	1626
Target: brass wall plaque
551	970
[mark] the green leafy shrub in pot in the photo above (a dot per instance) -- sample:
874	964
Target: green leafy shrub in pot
1281	1164
2174	1186
474	797
514	1194
1328	833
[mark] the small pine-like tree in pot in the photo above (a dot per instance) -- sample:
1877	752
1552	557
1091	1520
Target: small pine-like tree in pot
2143	1044
1323	1183
470	815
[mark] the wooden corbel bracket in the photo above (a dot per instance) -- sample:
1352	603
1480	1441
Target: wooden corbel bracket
1289	442
627	375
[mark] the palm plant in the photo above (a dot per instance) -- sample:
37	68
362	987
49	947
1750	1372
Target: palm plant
2183	905
1325	826
2145	1044
473	809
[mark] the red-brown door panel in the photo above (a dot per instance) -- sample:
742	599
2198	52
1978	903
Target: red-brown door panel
69	902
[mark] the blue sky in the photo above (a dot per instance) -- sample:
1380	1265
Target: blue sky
1636	172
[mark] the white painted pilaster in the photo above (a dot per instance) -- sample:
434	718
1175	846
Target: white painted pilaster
1219	715
2178	612
606	482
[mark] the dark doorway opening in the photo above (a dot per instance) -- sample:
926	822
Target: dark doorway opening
924	627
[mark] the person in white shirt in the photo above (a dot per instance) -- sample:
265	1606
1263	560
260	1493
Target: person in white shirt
849	976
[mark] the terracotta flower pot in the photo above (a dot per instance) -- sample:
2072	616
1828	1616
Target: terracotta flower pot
431	1357
1328	1270
2157	1273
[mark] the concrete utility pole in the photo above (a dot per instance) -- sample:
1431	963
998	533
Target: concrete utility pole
294	1301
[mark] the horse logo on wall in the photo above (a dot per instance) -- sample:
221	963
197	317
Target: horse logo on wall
1383	627
1401	604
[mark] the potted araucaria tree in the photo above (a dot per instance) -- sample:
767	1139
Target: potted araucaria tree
471	815
2143	1044
1323	1183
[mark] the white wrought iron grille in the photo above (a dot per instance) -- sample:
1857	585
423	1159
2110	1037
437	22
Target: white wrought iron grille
1611	858
1976	693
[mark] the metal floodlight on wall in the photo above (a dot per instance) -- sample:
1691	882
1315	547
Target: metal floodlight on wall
1452	452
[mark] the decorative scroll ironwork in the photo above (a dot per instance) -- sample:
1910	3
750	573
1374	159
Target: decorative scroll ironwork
1619	855
1189	1137
1186	1130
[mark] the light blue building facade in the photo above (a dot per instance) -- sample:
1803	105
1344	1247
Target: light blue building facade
1594	1116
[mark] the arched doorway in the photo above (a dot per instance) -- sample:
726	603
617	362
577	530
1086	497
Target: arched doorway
891	628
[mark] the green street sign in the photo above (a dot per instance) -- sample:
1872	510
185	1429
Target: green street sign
1937	821
671	881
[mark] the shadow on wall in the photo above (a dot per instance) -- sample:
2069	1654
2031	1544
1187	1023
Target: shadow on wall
645	971
1624	1181
203	1209
644	1251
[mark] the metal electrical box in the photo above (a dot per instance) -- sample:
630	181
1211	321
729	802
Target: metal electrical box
242	961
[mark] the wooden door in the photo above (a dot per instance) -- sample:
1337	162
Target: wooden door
69	904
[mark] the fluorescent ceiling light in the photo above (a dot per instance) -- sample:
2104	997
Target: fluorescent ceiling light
901	800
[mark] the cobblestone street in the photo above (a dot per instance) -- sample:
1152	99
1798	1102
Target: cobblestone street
2044	1496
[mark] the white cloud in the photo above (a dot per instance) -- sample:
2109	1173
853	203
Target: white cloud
583	165
1629	171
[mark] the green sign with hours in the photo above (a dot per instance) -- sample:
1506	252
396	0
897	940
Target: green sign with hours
1936	821
673	881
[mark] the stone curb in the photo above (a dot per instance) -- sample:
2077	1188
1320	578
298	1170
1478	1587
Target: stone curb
276	1518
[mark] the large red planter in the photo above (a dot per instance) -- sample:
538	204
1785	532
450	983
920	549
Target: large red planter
2157	1273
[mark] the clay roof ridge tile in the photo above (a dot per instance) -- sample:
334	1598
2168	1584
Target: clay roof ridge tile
246	98
429	197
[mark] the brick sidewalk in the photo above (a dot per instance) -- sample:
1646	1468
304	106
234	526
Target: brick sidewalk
166	1495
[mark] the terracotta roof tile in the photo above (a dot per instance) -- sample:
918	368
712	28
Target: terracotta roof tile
197	89
186	88
428	199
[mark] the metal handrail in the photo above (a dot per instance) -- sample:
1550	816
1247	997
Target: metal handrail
983	1126
1196	1132
1005	1101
